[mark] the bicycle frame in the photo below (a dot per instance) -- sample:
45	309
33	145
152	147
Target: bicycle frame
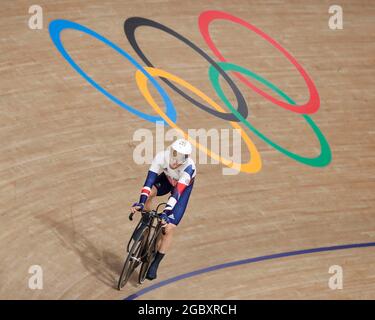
145	237
147	219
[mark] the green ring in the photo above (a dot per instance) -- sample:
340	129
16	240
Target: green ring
320	161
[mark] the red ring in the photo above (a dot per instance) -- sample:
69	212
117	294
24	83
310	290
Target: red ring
311	106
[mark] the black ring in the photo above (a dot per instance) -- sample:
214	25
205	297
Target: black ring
131	24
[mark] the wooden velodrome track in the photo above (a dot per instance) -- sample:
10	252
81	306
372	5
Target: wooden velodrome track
67	175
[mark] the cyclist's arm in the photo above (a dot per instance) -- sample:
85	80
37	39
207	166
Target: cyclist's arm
153	172
182	183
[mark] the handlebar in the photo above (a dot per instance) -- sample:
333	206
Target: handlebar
131	216
155	213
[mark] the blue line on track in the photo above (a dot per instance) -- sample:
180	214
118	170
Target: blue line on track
246	261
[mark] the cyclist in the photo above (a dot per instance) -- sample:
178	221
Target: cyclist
172	171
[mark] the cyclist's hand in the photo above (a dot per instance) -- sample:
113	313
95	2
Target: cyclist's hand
164	219
136	207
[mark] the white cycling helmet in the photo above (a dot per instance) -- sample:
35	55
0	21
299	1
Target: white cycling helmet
180	151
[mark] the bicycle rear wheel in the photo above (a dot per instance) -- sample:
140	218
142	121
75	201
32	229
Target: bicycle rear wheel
144	268
133	259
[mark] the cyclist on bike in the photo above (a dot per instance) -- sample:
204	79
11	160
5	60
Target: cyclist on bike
172	170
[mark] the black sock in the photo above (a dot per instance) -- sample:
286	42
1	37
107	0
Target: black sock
158	257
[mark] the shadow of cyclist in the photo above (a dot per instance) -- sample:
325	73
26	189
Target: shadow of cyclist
103	264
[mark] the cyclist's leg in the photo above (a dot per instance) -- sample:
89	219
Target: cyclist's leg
166	239
175	217
178	211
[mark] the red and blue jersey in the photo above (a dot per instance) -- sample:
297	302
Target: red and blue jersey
179	178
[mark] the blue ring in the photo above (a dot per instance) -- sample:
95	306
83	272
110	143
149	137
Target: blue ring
55	28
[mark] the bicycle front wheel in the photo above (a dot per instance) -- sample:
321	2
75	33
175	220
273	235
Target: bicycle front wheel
134	257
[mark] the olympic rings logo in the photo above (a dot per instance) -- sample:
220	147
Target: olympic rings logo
237	115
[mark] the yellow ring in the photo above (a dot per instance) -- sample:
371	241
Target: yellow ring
255	162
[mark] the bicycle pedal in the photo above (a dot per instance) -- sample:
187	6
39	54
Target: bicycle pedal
135	259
